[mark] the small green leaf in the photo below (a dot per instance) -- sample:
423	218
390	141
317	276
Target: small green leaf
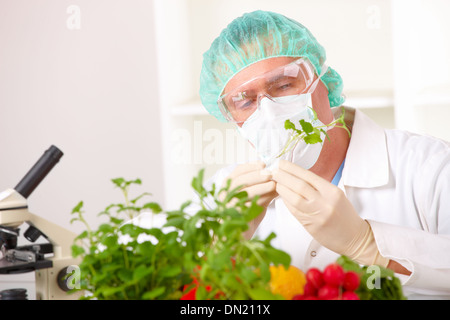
185	205
248	275
269	238
170	271
118	181
263	294
265	271
110	291
74	219
315	117
230	280
348	264
125	275
106	210
115	221
156	232
131	229
137	181
155	207
231	225
306	126
175	222
110	241
201	293
253	211
197	183
141	272
106	228
139	197
77	251
152	294
146	249
212	192
288	125
219	260
312	139
278	256
77	208
82	235
102	277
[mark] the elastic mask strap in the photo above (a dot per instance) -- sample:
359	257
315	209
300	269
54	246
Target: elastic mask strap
314	85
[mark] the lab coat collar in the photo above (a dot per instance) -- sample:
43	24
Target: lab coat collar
366	162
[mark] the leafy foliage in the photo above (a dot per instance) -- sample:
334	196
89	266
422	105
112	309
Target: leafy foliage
379	285
207	245
308	133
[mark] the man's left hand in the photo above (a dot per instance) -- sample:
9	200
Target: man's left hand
326	213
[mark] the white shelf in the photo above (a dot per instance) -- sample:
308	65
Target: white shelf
432	99
370	102
189	109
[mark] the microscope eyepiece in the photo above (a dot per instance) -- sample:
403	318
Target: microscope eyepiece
39	171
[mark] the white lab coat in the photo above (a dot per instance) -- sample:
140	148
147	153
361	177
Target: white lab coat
400	183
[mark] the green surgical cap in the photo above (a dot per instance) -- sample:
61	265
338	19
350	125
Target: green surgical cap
253	37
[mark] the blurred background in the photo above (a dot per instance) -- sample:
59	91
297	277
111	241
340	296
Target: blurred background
114	84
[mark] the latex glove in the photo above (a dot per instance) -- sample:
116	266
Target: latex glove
257	181
327	214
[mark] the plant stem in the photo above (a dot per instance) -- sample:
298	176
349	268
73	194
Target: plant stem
125	257
251	247
129	212
92	269
296	136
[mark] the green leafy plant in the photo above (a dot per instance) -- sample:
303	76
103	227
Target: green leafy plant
115	265
377	283
199	252
205	249
308	132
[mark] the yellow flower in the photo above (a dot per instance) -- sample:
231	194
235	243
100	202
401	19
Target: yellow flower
287	282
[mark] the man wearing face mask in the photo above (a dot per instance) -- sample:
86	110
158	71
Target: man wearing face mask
378	196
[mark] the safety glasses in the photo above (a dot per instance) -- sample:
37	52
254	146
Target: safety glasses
292	79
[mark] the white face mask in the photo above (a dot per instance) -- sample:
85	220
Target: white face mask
264	129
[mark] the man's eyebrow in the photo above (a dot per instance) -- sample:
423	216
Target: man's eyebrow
279	77
276	78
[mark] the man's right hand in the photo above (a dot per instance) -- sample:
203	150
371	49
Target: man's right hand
257	182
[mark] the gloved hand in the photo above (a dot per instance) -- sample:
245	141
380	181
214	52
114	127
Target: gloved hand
327	214
256	181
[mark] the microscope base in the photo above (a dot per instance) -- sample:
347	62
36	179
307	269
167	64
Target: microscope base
47	287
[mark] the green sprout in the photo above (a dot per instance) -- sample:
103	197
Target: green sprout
308	132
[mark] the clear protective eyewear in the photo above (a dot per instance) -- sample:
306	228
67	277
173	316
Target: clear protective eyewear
292	79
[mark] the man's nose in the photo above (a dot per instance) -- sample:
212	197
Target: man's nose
266	104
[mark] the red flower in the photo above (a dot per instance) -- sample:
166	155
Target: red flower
191	294
194	285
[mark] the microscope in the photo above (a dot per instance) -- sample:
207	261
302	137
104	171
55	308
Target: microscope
56	271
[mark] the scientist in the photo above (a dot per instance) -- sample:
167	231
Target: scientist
378	196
